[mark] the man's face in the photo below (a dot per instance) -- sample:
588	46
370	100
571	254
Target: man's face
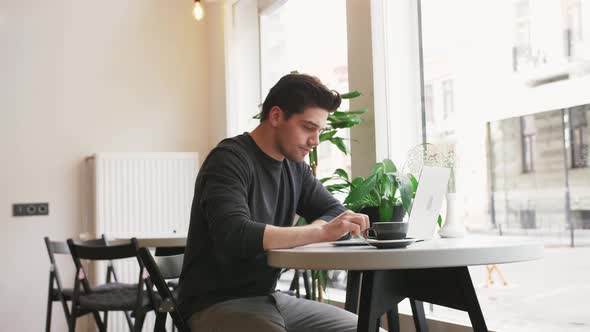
297	135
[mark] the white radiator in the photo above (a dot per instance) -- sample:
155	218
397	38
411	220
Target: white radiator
141	195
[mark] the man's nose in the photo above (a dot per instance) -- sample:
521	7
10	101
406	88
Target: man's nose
314	140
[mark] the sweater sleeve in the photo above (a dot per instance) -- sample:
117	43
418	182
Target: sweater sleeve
316	202
225	205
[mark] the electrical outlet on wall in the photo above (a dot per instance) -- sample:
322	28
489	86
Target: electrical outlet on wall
30	209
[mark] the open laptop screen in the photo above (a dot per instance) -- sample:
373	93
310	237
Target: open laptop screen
432	187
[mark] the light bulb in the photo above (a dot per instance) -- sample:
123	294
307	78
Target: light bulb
198	11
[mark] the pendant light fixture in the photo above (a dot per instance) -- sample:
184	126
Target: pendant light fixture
198	11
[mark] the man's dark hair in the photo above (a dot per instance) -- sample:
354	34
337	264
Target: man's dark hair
294	93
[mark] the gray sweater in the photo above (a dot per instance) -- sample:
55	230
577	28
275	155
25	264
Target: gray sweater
239	190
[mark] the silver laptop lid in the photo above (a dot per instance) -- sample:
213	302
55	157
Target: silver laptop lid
432	187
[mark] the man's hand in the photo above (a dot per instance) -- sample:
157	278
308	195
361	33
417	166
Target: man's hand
346	222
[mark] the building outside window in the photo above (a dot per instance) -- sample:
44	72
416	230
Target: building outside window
578	137
429	102
573	26
528	132
447	89
521	51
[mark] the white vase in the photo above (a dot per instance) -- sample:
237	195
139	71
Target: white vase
453	226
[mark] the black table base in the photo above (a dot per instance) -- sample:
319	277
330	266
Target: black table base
381	291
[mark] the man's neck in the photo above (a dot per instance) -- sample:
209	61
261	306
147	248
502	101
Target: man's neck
264	138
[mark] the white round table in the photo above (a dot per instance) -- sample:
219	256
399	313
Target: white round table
433	271
471	250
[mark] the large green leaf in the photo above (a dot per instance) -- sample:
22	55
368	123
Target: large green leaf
349	114
414	182
341	173
389	166
394	184
359	192
350	95
386	210
326	179
406	189
339	123
377	168
337	187
339	142
357	181
386	187
327	135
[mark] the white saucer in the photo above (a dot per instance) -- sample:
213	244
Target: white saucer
390	244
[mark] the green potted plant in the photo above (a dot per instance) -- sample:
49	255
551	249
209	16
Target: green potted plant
385	195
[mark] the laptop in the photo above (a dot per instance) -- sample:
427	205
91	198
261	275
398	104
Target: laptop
432	186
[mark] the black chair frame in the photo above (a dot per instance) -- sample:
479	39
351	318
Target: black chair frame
91	251
166	268
56	290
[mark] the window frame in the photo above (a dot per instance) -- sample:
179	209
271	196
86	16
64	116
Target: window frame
578	132
527	145
448	97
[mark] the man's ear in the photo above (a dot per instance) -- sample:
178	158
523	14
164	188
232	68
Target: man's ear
275	116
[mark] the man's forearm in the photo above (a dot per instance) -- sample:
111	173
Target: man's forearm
289	237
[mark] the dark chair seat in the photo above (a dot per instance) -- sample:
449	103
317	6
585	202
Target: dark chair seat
122	298
69	292
66	293
132	299
113	286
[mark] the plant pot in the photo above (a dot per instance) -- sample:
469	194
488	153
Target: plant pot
373	213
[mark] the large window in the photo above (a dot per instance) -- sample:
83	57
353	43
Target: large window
299	36
516	114
501	89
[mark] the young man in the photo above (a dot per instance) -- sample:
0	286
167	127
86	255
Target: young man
246	196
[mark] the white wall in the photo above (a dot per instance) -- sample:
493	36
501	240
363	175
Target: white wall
78	77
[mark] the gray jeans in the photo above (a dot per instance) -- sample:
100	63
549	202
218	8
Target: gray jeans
275	312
